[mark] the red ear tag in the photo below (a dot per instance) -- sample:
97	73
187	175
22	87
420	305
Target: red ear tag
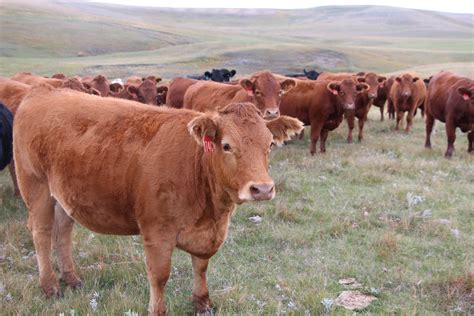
335	92
466	97
208	144
381	85
249	93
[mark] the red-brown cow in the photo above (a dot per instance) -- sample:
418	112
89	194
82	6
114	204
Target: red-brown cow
408	92
177	90
120	167
99	82
382	96
321	104
262	89
450	99
30	79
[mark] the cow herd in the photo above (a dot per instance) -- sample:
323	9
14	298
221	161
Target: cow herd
85	152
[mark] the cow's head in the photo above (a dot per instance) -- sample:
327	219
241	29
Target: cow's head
99	83
237	142
373	81
427	81
220	75
161	95
74	84
145	93
60	76
346	92
152	78
407	84
312	74
266	92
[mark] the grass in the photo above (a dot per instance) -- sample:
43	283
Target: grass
355	211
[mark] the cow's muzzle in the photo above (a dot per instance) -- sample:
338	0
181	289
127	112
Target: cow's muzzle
254	191
272	113
372	95
349	106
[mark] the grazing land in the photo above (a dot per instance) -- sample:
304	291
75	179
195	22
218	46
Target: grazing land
387	212
396	217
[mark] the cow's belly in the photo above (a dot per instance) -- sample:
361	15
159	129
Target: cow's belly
99	217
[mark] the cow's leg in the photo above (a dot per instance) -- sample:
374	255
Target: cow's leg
315	133
158	253
301	135
429	121
470	141
41	218
451	133
409	121
390	109
361	127
62	234
201	301
14	180
382	107
324	137
350	124
399	118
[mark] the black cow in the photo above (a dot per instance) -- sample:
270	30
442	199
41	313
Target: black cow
312	74
6	136
217	75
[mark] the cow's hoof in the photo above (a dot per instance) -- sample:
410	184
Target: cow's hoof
203	306
72	280
53	291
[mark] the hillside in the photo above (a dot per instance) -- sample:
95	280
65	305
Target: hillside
49	36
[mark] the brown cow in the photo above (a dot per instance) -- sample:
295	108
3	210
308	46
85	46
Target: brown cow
120	167
262	89
382	96
450	99
145	92
408	92
321	104
76	84
136	80
11	94
363	101
177	90
99	82
29	78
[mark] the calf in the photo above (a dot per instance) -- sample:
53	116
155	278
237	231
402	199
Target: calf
406	95
262	89
119	167
382	96
450	99
321	104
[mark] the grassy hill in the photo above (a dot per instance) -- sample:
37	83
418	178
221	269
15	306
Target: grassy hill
47	36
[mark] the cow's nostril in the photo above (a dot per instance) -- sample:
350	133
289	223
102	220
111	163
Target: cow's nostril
254	190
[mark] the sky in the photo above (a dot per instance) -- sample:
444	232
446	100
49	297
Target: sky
457	6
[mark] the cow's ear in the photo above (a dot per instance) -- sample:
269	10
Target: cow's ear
381	79
334	87
287	84
158	79
360	79
361	87
207	74
398	79
465	93
203	127
133	90
283	127
416	79
247	85
94	91
233	72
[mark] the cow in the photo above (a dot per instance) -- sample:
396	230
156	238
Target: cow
336	75
262	89
408	92
311	75
363	100
162	92
136	80
177	90
450	99
217	75
11	94
76	84
382	96
321	104
30	79
119	167
59	75
6	138
116	85
99	82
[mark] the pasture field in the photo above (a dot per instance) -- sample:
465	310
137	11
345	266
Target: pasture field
387	212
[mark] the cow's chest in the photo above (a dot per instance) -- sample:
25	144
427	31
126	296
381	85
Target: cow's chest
204	237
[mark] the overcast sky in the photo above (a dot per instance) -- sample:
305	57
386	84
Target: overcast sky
460	6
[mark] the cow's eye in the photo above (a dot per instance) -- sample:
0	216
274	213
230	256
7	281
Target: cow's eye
226	147
341	93
257	93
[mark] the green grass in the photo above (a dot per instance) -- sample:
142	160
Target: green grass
341	214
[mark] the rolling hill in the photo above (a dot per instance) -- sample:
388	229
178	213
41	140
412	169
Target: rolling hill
86	38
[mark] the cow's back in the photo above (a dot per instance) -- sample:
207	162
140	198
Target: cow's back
12	93
177	90
208	95
339	76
